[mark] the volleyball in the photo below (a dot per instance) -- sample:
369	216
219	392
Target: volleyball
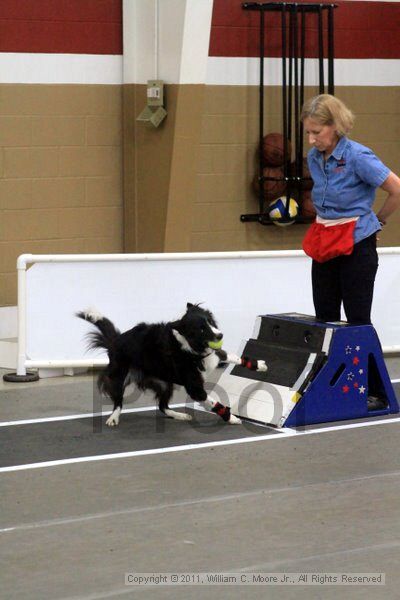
277	211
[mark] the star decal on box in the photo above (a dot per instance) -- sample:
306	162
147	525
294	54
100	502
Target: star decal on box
355	383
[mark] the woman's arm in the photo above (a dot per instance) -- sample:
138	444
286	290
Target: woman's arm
391	185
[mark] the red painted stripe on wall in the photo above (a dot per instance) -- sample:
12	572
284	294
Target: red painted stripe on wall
61	26
362	30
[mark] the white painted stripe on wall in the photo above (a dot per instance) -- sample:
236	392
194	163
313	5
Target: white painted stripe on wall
60	68
354	72
108	70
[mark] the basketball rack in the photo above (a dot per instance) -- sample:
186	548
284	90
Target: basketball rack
294	18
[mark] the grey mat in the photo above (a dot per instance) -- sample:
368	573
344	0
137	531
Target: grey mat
57	440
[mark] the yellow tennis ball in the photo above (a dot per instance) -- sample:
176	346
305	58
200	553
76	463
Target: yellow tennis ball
215	345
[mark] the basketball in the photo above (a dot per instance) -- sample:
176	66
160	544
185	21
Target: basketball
307	182
273	150
306	205
272	189
276	211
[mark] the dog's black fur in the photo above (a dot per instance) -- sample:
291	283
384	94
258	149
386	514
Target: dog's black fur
158	356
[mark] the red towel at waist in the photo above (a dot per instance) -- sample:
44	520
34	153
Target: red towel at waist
326	239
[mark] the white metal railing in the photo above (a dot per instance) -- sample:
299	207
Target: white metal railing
23	262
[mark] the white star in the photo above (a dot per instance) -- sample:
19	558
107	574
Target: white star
357	348
361	389
350	376
348	350
361	371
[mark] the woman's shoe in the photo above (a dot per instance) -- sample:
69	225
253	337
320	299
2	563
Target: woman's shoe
376	403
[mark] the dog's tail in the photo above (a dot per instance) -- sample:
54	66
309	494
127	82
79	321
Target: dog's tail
107	334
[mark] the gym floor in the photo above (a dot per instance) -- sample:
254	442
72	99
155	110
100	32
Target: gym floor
84	504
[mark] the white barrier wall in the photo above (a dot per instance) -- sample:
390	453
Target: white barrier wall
131	288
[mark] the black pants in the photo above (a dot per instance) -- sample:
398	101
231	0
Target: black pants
348	279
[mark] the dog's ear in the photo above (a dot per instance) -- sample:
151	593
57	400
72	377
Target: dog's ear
190	305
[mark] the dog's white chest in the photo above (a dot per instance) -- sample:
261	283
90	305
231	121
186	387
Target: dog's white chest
210	363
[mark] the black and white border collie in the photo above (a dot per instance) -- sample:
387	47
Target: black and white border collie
158	356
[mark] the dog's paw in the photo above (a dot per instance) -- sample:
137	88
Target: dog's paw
234	420
183	417
233	359
113	419
177	415
262	365
253	364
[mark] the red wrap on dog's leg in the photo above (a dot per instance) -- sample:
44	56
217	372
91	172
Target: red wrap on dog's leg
249	363
223	411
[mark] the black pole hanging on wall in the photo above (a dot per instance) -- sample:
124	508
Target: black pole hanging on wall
293	20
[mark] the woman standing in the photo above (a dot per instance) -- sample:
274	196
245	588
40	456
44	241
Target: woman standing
342	241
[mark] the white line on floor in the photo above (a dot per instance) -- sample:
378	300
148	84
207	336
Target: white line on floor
358	425
83	415
270	566
262	568
247	440
167	450
192	502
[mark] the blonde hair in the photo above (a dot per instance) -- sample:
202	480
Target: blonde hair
328	110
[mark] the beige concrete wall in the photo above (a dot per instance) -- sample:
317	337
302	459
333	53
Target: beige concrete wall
60	173
160	170
65	166
228	155
188	182
181	216
147	170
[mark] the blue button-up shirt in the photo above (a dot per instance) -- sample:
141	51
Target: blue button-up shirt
345	185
